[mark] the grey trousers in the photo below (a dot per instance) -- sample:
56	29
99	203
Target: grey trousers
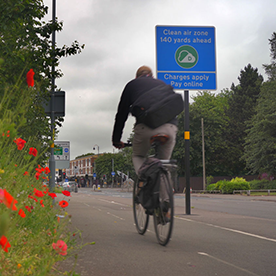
141	146
141	143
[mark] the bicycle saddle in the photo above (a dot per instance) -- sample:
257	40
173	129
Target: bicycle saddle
160	138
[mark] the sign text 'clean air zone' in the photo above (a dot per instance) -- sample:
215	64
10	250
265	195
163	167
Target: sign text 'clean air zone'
186	57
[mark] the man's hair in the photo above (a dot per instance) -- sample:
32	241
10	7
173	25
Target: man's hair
143	71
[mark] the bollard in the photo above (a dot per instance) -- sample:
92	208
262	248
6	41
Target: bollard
248	192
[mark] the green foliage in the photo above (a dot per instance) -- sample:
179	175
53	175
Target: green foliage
122	162
242	103
260	147
211	187
26	43
31	237
270	69
211	108
227	187
262	184
209	179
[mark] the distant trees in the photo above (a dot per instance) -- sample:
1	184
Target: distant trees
270	69
260	147
241	108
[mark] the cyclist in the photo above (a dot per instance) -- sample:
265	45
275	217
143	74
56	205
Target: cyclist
143	83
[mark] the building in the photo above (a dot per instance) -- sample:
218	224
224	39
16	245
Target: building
82	166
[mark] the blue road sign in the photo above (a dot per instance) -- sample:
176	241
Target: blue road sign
94	174
186	57
112	173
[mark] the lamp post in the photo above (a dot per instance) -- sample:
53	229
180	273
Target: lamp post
97	147
52	163
94	147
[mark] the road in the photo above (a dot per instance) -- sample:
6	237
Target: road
224	235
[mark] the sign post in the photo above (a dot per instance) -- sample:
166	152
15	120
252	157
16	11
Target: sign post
186	60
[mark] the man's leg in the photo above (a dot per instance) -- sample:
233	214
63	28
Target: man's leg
165	152
140	145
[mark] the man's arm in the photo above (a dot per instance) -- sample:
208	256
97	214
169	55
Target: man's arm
120	118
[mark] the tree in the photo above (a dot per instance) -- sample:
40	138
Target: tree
242	103
260	148
270	69
122	162
26	43
211	108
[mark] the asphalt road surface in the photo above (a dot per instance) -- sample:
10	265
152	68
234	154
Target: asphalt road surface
226	235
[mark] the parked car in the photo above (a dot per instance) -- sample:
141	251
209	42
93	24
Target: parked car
70	186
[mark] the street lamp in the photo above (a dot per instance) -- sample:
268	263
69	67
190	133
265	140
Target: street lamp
97	147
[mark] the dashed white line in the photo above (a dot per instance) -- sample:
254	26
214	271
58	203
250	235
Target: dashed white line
227	263
231	230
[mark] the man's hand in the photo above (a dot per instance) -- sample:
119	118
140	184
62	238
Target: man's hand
118	145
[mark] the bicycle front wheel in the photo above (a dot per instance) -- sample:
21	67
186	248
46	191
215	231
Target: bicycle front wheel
141	219
163	215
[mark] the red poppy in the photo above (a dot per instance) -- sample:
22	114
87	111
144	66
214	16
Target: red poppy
63	203
52	195
20	143
33	151
30	78
60	247
28	208
21	213
47	170
66	193
9	201
37	175
26	173
41	203
4	243
39	193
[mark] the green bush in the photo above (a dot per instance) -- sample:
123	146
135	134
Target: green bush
211	187
220	183
227	187
262	184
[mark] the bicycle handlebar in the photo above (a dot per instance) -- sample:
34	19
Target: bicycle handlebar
128	144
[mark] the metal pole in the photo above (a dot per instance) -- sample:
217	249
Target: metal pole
52	164
203	155
187	152
112	172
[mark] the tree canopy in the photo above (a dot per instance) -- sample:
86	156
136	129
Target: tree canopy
26	43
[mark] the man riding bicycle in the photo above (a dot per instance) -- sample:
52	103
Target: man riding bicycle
143	84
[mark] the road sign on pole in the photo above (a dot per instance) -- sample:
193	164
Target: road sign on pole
186	57
62	154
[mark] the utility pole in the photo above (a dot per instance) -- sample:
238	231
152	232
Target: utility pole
52	164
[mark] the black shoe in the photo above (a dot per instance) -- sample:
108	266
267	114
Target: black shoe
165	206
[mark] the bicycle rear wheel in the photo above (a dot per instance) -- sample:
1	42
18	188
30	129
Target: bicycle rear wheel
163	215
141	219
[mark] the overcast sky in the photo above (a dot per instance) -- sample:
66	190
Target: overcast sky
119	37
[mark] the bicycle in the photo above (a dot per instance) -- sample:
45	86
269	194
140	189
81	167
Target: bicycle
163	215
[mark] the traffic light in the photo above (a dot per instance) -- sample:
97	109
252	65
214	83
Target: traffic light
64	175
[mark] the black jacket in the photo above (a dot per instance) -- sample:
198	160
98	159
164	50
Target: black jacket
131	92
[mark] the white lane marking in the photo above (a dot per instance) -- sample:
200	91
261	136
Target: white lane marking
227	263
231	230
86	204
115	216
112	202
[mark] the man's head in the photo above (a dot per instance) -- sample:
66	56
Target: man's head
143	71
